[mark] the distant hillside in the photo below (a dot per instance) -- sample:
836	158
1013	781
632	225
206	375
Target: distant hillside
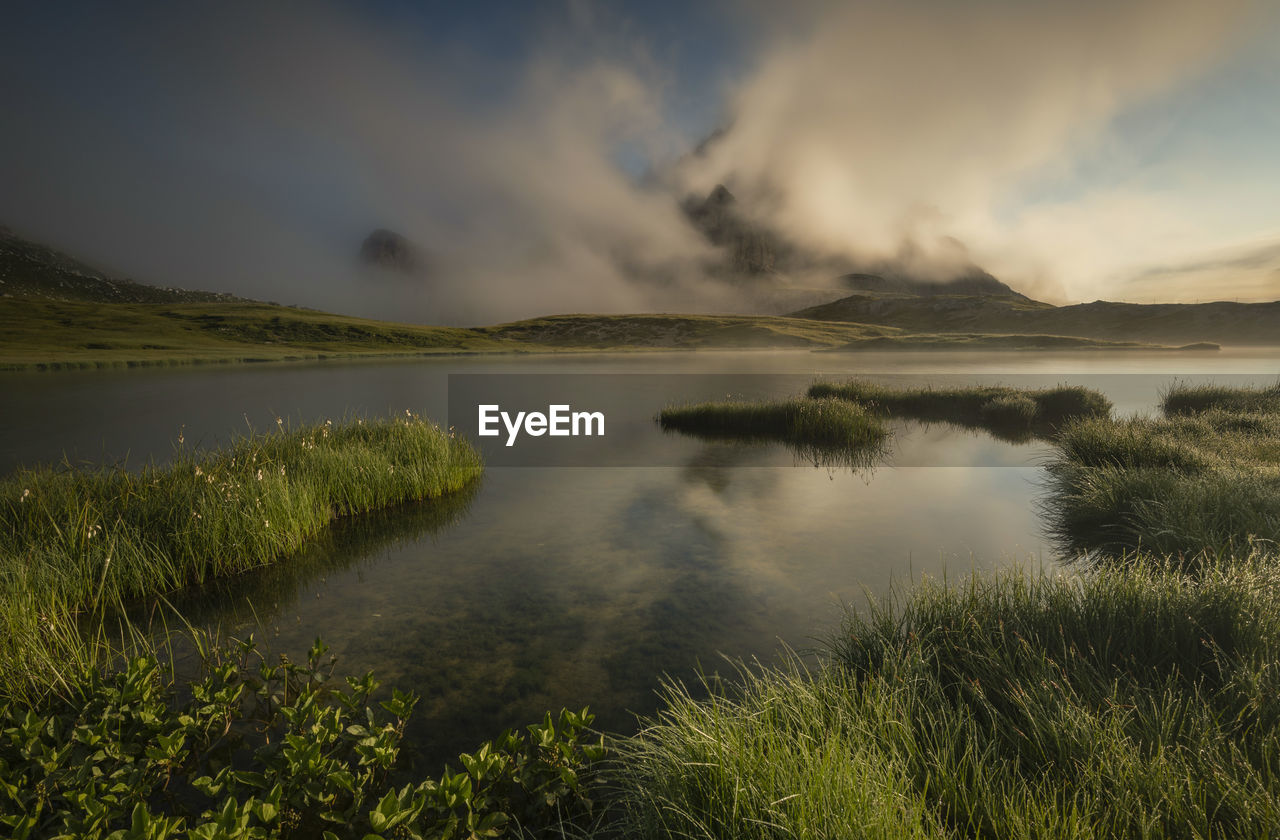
73	334
974	281
1160	323
31	270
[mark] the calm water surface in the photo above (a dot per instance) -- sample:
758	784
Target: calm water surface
551	586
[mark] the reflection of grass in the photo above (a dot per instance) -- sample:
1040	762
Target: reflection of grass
1135	702
347	543
1180	485
822	430
1015	413
72	539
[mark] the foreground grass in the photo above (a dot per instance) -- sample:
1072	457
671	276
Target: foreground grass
817	429
1132	703
1204	479
1017	413
78	541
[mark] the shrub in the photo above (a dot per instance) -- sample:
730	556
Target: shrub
255	750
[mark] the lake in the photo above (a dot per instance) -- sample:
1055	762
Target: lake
551	585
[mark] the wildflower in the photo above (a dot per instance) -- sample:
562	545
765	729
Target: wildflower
280	422
266	524
198	470
259	474
25	494
181	439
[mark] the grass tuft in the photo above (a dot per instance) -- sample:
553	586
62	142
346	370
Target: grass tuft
1013	413
822	430
1191	486
1130	703
1193	399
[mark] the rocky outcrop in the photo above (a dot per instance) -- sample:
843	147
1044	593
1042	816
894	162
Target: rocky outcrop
387	249
749	250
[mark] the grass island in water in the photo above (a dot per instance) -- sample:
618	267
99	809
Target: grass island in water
819	430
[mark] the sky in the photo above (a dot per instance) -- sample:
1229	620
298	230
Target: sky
537	152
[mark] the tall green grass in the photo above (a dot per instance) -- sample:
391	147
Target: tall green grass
83	541
1193	486
821	430
1129	703
1014	413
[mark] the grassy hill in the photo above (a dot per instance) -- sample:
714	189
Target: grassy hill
68	334
1221	322
31	270
56	312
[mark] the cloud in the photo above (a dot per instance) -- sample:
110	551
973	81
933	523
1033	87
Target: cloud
875	124
250	148
1249	272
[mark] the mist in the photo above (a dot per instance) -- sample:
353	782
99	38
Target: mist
915	131
250	149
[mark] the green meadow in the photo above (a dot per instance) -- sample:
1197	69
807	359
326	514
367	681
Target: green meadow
37	334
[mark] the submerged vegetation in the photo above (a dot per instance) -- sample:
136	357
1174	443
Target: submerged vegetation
86	540
820	430
1131	703
1016	413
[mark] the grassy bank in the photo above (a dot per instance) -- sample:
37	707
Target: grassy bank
1182	485
67	335
818	429
82	540
1006	411
1129	704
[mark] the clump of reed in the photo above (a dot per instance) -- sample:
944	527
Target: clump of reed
1133	702
1193	399
822	430
85	540
1192	486
1012	413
